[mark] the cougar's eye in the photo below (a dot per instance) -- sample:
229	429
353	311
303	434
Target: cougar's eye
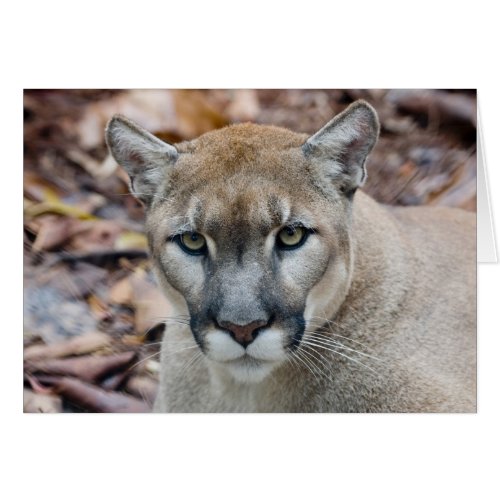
291	237
192	243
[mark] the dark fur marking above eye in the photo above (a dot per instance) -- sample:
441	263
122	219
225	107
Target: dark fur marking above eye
275	207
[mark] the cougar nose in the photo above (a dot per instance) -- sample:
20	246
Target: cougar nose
243	334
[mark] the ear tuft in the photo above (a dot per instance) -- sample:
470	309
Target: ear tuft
343	144
144	157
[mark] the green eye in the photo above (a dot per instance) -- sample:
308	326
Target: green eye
292	237
193	243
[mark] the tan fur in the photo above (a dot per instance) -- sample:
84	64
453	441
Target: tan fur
395	286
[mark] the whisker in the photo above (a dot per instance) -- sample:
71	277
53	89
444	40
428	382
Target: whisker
324	342
301	361
171	318
190	363
143	361
329	348
314	360
331	323
320	359
180	350
357	361
301	355
292	360
352	359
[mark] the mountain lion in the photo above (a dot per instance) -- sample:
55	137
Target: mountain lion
294	291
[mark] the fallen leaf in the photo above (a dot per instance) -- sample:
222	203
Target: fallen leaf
96	235
52	306
133	340
99	308
40	189
151	307
88	368
439	105
83	344
54	315
244	105
36	386
95	399
152	109
53	231
195	115
152	366
113	382
57	207
41	403
99	170
143	387
121	292
131	240
80	235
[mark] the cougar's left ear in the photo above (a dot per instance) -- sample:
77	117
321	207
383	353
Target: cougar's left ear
145	157
341	147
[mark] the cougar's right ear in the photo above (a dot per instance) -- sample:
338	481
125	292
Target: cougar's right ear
145	157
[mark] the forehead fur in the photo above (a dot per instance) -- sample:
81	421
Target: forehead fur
258	150
242	172
246	175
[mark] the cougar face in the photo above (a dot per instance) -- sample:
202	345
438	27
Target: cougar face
249	229
246	290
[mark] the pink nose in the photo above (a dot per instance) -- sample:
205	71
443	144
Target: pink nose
243	334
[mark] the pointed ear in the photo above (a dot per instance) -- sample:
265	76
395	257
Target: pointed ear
145	157
341	147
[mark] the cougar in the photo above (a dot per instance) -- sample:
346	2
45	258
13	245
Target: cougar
292	290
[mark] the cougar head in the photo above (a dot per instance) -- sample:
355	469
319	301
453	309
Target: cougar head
249	229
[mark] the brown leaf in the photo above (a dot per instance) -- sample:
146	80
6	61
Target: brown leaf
121	292
40	189
152	109
113	382
57	207
55	312
75	281
151	307
83	344
53	231
439	105
95	399
88	368
99	308
143	387
96	235
81	235
244	105
195	115
99	170
131	239
41	403
37	387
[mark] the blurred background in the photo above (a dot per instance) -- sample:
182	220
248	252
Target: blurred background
93	316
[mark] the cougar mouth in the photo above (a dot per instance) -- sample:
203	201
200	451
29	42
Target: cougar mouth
248	369
248	360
